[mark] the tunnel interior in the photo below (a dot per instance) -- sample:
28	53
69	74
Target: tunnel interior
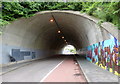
41	35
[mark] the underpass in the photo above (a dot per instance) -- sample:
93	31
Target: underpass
45	34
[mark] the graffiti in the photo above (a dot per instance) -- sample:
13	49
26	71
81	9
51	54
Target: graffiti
106	55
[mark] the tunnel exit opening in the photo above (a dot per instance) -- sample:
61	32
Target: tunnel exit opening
69	49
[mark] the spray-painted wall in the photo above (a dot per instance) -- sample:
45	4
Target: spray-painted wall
105	54
21	54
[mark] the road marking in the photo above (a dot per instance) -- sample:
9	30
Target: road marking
51	71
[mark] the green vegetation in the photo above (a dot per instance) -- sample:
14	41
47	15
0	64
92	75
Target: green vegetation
69	49
73	51
106	11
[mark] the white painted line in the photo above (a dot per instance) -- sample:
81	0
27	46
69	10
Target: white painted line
51	71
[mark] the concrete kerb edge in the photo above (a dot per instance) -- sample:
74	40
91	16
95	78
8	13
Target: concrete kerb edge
11	63
22	61
13	69
97	67
103	69
18	66
88	80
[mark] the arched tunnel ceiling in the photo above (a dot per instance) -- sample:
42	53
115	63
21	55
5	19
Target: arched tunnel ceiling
39	33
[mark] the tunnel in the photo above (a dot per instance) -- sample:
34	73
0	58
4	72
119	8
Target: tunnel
40	34
32	48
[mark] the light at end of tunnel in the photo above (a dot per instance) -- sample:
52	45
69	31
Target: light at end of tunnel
62	37
51	20
69	49
59	31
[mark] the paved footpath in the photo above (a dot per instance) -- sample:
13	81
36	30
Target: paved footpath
66	71
94	73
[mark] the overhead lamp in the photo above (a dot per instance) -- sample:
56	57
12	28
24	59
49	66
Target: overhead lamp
51	20
63	37
59	31
65	40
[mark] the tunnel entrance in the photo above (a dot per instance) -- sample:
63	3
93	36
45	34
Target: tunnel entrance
47	32
69	49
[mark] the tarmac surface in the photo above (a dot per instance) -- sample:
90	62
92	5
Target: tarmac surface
58	69
67	71
34	72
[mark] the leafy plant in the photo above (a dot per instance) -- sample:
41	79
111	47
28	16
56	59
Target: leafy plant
106	11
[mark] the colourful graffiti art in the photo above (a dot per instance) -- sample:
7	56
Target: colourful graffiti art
106	55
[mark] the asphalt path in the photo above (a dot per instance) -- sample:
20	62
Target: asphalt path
33	72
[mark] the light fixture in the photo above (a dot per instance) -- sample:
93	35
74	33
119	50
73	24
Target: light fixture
62	37
65	40
51	20
59	31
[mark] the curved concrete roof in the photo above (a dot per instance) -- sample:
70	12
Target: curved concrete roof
38	32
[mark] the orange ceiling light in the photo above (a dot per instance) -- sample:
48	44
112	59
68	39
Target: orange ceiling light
63	37
51	20
59	31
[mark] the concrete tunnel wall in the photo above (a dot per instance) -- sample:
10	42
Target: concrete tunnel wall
37	34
